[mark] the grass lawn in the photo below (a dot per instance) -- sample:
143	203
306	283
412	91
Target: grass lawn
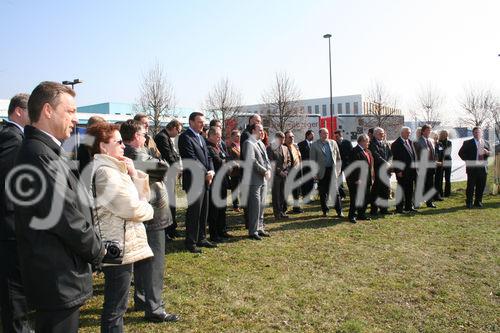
434	271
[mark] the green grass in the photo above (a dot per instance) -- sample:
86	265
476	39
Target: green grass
435	271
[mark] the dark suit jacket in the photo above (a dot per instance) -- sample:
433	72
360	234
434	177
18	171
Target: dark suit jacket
402	154
358	155
468	152
446	144
190	149
219	157
55	261
244	137
281	157
10	141
304	149
381	154
166	147
345	148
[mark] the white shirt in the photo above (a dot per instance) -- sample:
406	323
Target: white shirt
14	123
52	137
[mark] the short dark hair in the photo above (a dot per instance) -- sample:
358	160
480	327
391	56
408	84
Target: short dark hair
252	116
476	128
174	123
46	92
214	122
426	127
213	130
279	134
195	114
370	131
129	128
140	116
234	132
18	101
251	128
337	132
308	132
287	132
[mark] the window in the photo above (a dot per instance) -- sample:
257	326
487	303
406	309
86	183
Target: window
324	110
355	106
339	108
316	109
309	109
347	108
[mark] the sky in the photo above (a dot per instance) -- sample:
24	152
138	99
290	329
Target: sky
111	44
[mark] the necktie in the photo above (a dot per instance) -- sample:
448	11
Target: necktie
431	150
409	148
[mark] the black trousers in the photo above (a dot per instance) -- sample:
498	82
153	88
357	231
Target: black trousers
429	183
381	190
60	321
438	182
235	181
171	230
278	195
308	186
116	288
217	216
13	305
324	192
196	219
407	183
360	210
476	182
296	192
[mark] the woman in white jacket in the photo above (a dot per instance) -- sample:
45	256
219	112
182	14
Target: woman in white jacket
122	195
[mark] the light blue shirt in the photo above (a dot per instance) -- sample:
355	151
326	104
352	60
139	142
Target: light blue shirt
328	154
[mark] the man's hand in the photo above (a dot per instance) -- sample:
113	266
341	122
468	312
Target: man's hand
267	175
209	177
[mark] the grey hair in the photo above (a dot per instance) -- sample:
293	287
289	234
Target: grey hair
363	137
377	130
404	128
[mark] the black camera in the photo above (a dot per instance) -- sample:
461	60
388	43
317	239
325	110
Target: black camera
114	252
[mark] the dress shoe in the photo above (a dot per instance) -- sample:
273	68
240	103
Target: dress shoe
340	214
263	233
226	235
194	249
431	205
384	212
297	210
284	216
206	243
439	199
478	204
163	317
353	220
217	240
255	237
399	211
412	210
364	218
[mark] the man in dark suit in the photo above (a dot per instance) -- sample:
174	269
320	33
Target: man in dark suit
278	153
426	152
305	149
443	148
382	157
345	148
475	153
193	147
56	239
404	152
361	159
13	306
165	142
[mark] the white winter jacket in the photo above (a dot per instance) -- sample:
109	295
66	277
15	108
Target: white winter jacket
119	206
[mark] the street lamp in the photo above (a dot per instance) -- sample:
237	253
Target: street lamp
329	36
72	83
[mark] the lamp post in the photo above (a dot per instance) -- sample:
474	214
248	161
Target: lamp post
72	83
329	36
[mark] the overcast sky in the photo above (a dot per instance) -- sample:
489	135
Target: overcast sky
110	44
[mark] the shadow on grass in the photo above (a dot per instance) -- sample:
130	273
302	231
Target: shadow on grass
310	223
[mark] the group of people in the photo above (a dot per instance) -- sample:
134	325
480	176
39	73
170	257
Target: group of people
115	212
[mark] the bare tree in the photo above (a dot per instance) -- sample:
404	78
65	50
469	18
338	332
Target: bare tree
282	103
429	100
495	119
381	106
478	104
157	96
223	102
